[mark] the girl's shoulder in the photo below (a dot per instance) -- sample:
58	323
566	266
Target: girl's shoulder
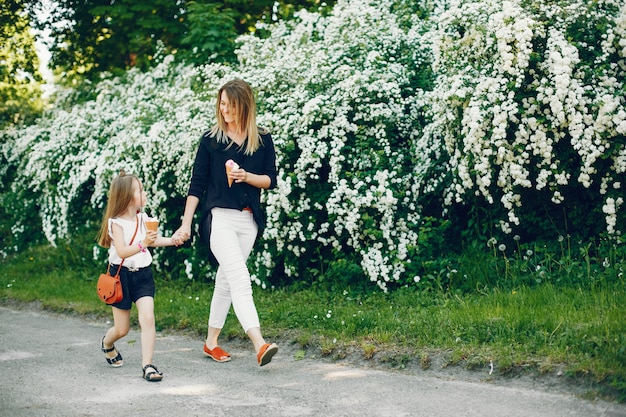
121	221
116	220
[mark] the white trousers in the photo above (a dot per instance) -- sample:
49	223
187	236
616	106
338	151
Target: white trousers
233	234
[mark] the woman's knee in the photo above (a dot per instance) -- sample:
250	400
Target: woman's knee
242	287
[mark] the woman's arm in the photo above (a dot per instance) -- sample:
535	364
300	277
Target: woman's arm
267	159
197	187
184	231
255	180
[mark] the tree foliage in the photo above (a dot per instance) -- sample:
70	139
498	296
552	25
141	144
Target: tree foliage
89	37
20	95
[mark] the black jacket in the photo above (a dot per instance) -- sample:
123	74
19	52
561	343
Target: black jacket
210	184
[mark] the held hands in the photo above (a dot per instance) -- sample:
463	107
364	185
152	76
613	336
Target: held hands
152	239
181	235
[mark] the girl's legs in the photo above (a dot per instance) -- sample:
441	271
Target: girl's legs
121	326
145	314
232	239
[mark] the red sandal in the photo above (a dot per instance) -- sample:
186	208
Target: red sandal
217	354
266	353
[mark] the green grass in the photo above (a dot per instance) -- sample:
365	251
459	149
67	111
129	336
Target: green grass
576	329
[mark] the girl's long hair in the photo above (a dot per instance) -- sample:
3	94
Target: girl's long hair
242	101
120	197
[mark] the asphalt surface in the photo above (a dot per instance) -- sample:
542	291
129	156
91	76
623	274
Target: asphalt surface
51	365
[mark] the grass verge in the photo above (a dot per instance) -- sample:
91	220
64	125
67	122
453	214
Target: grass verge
574	333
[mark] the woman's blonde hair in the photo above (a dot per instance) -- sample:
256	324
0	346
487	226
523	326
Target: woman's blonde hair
120	196
243	105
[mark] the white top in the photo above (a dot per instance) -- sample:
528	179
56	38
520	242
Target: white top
140	259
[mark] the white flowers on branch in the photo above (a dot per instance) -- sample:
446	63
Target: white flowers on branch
145	124
519	100
335	95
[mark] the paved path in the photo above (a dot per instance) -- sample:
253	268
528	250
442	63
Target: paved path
51	365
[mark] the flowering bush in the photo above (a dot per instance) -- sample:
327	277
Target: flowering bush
380	118
529	106
338	94
146	123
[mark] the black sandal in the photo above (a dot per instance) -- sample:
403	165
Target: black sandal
115	362
154	376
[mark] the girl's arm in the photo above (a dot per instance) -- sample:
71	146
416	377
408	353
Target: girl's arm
122	249
162	241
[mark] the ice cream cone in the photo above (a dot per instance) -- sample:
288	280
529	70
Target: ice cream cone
230	180
152	224
230	165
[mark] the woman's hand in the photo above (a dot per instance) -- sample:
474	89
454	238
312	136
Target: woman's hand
181	235
238	174
184	231
241	175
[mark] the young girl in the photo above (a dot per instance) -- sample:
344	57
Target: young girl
122	218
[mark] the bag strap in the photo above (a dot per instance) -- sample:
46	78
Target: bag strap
131	242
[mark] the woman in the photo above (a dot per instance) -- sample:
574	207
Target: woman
232	216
